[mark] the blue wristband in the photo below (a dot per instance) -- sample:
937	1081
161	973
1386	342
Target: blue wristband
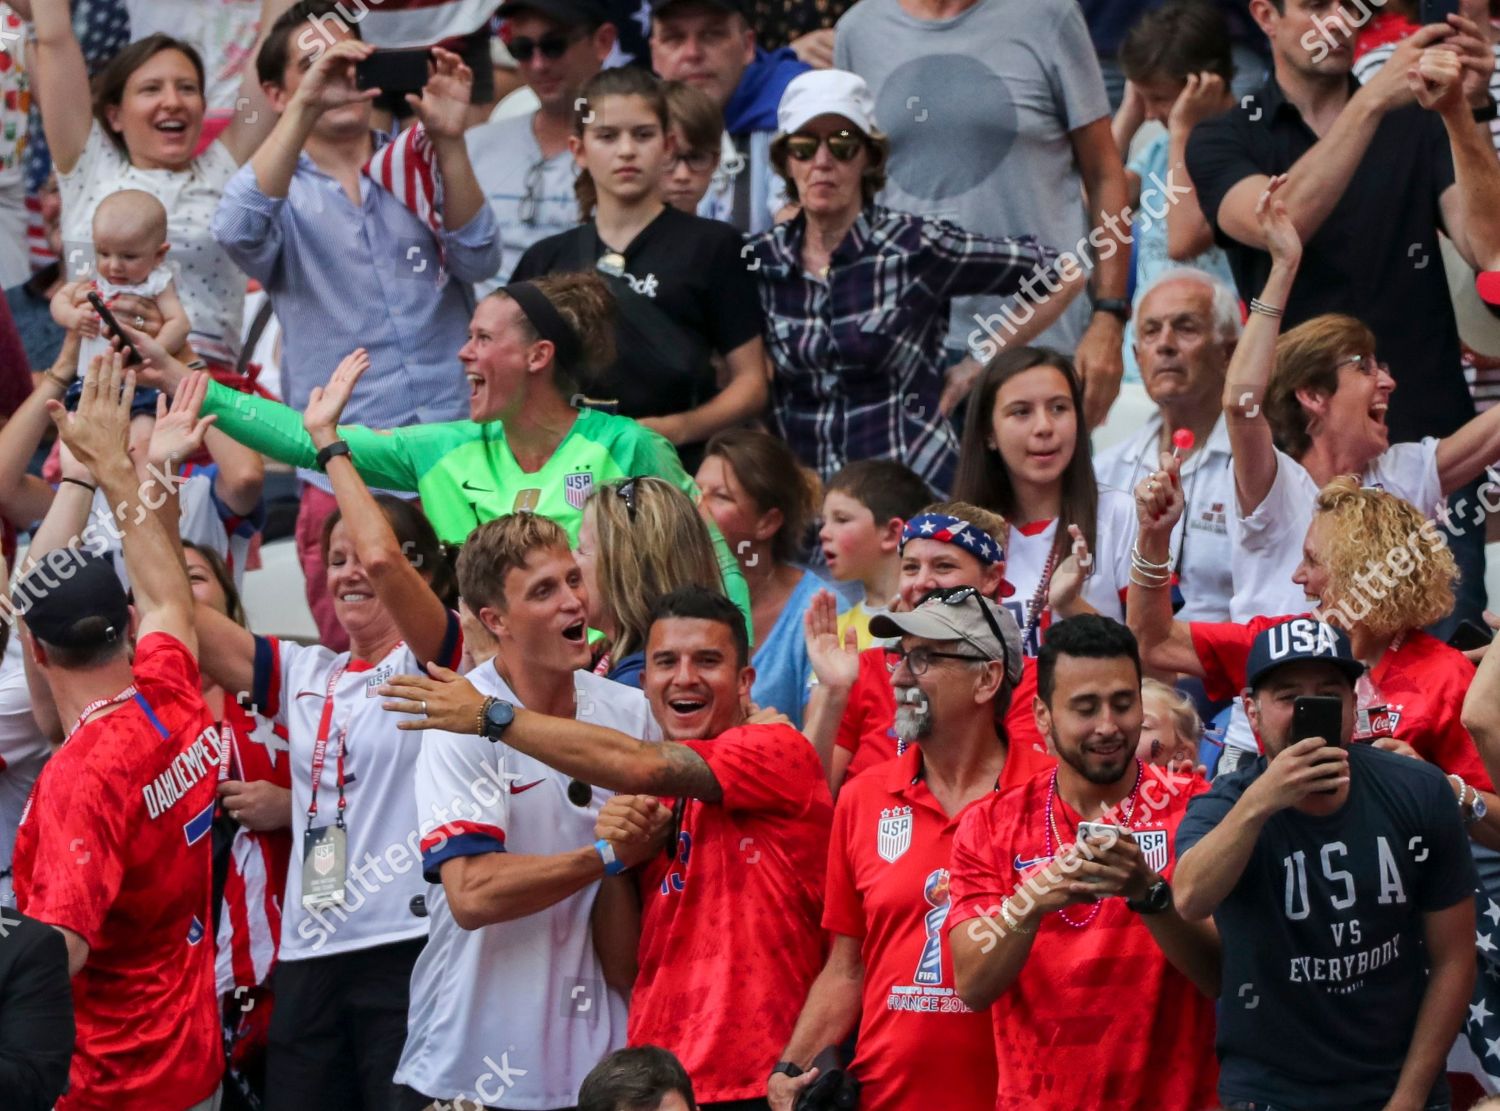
613	866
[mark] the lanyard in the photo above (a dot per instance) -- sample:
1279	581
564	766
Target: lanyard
99	704
320	752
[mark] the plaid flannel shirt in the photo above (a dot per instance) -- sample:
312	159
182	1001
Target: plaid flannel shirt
859	357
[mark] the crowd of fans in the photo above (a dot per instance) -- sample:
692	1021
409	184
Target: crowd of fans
949	571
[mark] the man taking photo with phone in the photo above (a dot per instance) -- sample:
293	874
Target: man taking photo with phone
1340	879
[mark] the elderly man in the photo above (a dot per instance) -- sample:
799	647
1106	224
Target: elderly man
1187	324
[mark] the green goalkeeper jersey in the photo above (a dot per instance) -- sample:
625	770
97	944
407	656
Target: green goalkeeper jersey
465	473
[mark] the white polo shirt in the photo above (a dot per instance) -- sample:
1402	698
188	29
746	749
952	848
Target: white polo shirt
1201	549
384	871
1267	544
1028	548
513	1014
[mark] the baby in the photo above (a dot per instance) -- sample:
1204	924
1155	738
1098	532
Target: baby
1170	728
130	247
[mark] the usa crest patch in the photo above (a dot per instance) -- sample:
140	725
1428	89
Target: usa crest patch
1153	843
577	487
893	834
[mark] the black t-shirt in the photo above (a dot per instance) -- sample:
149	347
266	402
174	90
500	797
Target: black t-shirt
1323	968
690	269
1375	257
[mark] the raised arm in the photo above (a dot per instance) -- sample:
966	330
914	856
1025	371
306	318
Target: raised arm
1188	233
604	757
1100	352
443	108
1471	205
1249	372
97	434
1481	713
253	115
60	79
1166	644
23	496
420	614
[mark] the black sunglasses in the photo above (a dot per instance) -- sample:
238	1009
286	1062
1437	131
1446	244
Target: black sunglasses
553	45
625	491
957	596
843	145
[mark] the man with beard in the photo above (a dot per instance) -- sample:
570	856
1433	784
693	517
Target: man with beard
958	662
1101	991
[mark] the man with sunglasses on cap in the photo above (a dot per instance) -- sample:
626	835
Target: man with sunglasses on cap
519	911
889	971
1340	879
1063	919
710	45
114	847
523	163
731	896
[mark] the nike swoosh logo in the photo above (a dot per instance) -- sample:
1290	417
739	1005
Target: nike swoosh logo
475	489
517	788
1022	865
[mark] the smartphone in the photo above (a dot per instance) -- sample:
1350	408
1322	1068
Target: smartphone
1318	716
1469	636
393	71
1437	11
112	326
1102	831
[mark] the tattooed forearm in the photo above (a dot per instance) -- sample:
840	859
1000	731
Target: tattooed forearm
682	772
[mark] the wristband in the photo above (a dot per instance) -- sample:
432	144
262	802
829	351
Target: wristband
1117	307
326	454
79	482
1487	113
53	378
613	866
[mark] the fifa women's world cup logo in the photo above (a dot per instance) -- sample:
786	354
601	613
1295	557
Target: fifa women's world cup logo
930	966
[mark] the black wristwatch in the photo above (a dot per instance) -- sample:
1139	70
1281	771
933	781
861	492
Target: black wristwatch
1156	900
495	718
1487	112
1115	306
786	1068
338	447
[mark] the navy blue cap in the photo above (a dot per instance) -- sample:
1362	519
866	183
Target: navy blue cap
73	601
1297	639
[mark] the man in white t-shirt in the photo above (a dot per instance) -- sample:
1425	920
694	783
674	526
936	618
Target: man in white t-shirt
520	990
1187	323
523	163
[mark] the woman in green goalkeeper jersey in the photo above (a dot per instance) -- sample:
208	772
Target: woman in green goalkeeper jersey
526	445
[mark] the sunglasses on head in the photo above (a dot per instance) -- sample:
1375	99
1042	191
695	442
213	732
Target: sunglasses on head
626	493
843	145
553	45
957	596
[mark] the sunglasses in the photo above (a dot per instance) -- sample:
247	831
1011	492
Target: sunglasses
531	194
553	45
626	493
699	161
843	145
957	596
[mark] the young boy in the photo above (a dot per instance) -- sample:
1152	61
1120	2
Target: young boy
864	507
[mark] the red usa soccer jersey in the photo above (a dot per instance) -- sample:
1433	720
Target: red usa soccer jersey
730	936
888	887
868	726
115	847
1097	1018
1414	694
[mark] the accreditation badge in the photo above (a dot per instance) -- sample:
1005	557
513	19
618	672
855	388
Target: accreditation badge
325	860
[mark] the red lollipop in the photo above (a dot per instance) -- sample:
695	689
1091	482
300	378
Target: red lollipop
1182	442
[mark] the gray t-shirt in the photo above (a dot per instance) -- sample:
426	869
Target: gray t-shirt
518	182
978	109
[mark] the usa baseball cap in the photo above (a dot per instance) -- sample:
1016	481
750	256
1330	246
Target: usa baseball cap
74	604
959	614
1295	640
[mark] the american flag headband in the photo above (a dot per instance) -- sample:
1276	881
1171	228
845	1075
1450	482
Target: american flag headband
952	530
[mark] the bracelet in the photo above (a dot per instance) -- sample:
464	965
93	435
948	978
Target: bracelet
484	712
1257	305
613	865
1012	922
52	377
92	489
196	364
1150	584
1138	560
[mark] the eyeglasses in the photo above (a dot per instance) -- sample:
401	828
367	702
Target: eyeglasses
1365	364
699	161
919	659
843	145
532	193
553	45
626	493
957	596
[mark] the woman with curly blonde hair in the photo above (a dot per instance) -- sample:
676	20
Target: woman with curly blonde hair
1371	565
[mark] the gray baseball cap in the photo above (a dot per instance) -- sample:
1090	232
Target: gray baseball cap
959	614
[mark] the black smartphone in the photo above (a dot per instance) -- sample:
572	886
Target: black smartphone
393	71
1318	716
112	326
1469	636
1437	11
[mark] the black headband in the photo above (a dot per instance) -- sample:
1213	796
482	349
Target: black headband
547	321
